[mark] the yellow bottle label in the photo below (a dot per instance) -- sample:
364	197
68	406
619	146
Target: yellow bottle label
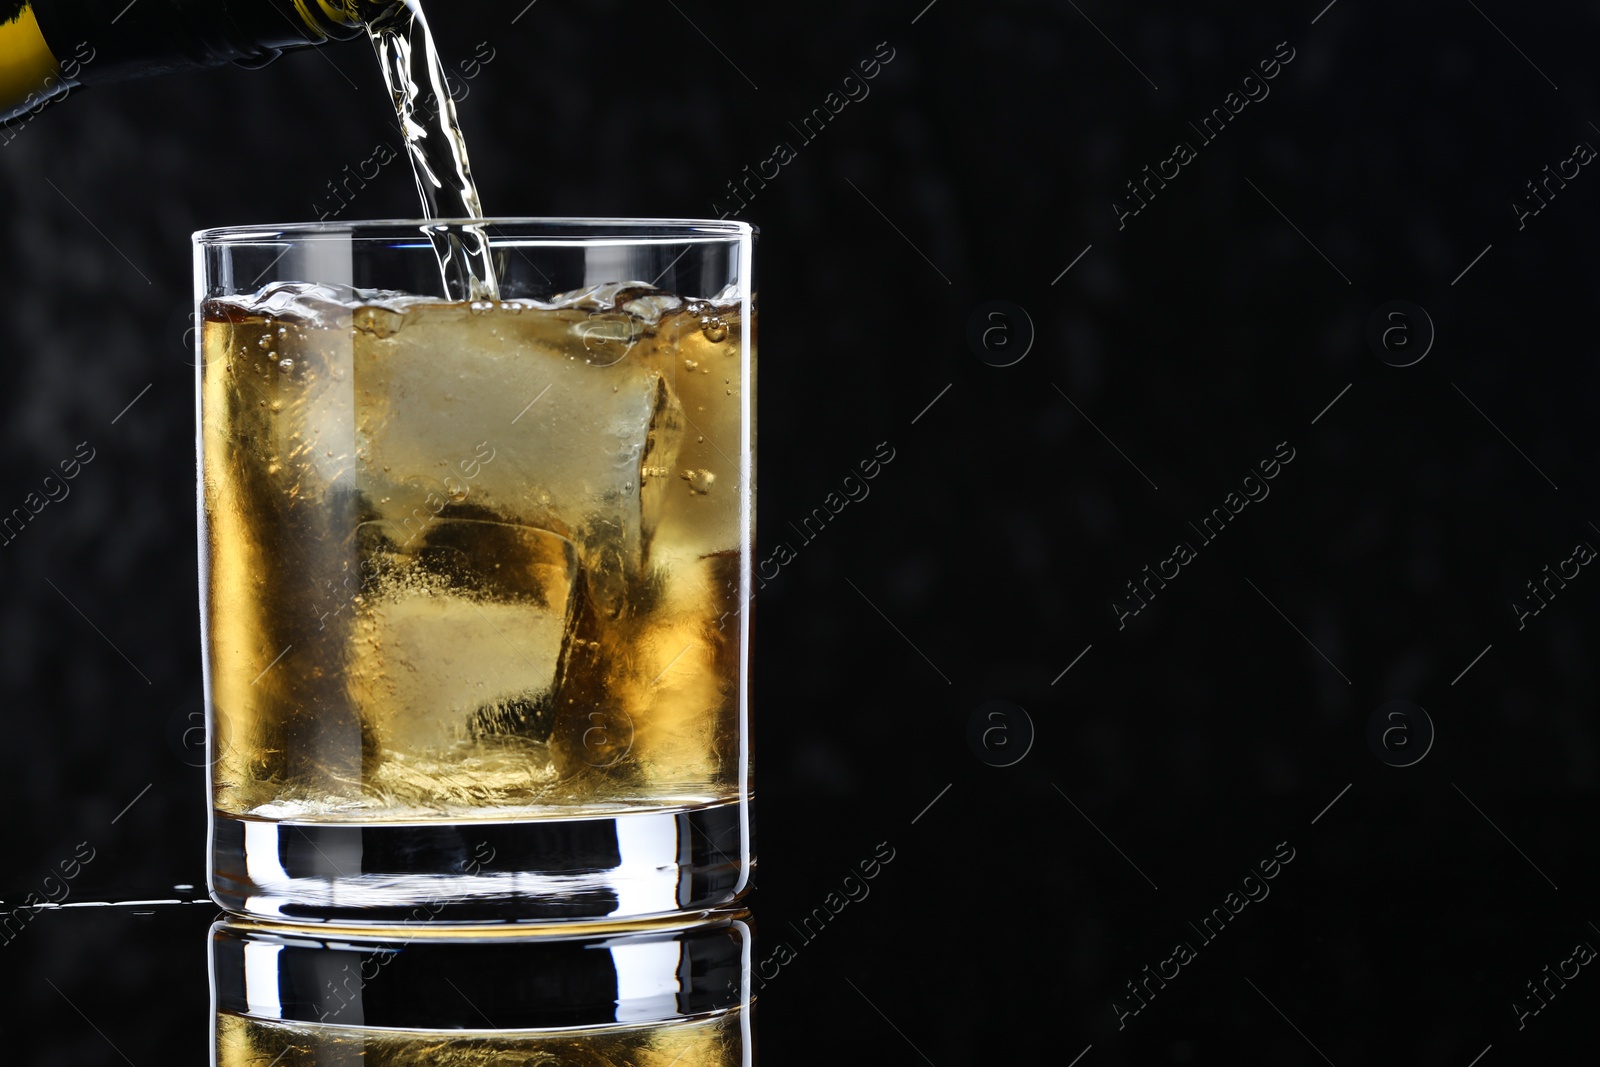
26	65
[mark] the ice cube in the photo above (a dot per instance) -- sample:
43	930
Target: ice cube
456	623
550	421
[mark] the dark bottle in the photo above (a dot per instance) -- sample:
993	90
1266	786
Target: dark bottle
49	47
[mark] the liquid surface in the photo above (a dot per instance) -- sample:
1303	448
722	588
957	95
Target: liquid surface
712	1042
473	560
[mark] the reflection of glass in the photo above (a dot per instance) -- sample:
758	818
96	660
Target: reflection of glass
638	995
473	571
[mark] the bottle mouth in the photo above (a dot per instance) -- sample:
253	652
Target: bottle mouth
340	19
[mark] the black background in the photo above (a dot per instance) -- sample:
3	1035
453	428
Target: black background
1178	751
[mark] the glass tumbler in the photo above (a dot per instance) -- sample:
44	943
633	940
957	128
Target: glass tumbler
475	574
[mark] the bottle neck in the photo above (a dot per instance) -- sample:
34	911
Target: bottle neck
48	47
162	36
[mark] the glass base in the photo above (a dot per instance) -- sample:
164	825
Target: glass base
606	868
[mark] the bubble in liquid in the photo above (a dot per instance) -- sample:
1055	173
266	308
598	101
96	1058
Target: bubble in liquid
286	364
481	306
266	340
716	333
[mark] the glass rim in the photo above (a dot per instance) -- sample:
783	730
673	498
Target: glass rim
559	229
